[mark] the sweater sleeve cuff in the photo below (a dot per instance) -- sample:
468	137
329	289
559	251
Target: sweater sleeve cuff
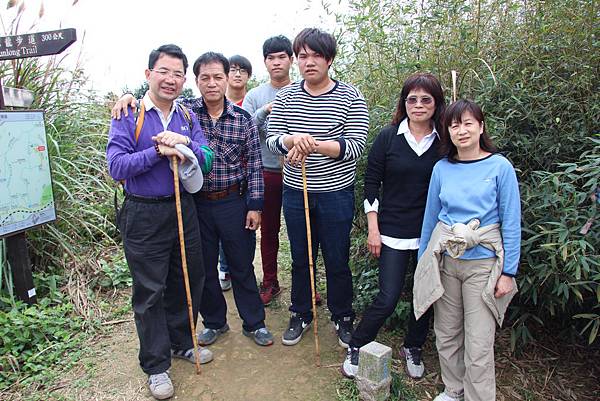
281	145
255	204
342	143
371	207
509	274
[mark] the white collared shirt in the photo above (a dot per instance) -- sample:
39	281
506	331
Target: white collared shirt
419	148
149	104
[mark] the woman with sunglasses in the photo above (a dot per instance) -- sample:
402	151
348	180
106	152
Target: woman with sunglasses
469	252
396	181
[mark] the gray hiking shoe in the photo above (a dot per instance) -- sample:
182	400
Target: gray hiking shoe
209	336
160	386
261	336
206	355
414	364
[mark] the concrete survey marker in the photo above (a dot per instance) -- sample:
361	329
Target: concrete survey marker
374	377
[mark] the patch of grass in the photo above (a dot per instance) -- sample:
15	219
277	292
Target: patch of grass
37	342
347	390
114	274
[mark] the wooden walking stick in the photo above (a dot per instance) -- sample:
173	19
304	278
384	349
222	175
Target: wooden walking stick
453	85
310	264
186	279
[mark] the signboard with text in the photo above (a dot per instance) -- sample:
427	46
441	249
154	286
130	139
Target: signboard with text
26	199
36	44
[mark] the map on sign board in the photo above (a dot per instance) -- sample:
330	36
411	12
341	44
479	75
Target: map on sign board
26	198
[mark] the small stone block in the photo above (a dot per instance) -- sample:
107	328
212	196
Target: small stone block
371	391
374	362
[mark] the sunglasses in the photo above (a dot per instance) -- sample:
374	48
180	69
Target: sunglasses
425	100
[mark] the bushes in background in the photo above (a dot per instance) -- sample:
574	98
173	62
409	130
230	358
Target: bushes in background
533	66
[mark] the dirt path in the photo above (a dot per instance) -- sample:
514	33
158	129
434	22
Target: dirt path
241	370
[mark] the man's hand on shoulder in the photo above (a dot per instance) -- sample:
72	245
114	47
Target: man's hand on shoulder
122	106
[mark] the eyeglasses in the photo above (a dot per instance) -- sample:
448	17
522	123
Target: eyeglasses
425	100
163	72
235	70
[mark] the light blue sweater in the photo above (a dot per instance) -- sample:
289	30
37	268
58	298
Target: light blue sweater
254	103
485	189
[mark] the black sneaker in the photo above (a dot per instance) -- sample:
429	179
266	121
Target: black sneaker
344	328
350	365
295	329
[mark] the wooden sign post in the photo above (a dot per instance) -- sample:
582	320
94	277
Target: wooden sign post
36	44
17	47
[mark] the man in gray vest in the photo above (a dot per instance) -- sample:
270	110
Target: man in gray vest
277	53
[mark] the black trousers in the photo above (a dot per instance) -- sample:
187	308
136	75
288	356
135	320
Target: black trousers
393	264
151	241
225	220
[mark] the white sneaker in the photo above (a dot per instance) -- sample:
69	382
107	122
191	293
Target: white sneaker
445	397
206	355
414	364
224	280
350	365
160	386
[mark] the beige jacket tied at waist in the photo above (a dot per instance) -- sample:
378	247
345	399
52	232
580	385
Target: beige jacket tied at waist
455	240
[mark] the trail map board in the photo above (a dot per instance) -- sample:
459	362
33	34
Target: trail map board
26	198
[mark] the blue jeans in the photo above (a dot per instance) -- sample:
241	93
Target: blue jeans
393	264
331	216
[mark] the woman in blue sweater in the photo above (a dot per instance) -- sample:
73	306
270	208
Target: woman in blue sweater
473	190
400	164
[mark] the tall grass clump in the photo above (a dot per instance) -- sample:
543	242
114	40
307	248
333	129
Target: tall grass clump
534	68
71	257
76	126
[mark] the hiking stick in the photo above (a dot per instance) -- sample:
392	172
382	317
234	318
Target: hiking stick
453	85
186	279
310	264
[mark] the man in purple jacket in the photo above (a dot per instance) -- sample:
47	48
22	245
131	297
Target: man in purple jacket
148	220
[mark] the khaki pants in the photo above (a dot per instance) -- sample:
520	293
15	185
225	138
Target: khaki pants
465	330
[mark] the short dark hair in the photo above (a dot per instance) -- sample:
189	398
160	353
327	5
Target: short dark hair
171	50
241	62
277	44
455	112
210	57
320	41
430	84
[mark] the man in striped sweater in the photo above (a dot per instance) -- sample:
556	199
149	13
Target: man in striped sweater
323	123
